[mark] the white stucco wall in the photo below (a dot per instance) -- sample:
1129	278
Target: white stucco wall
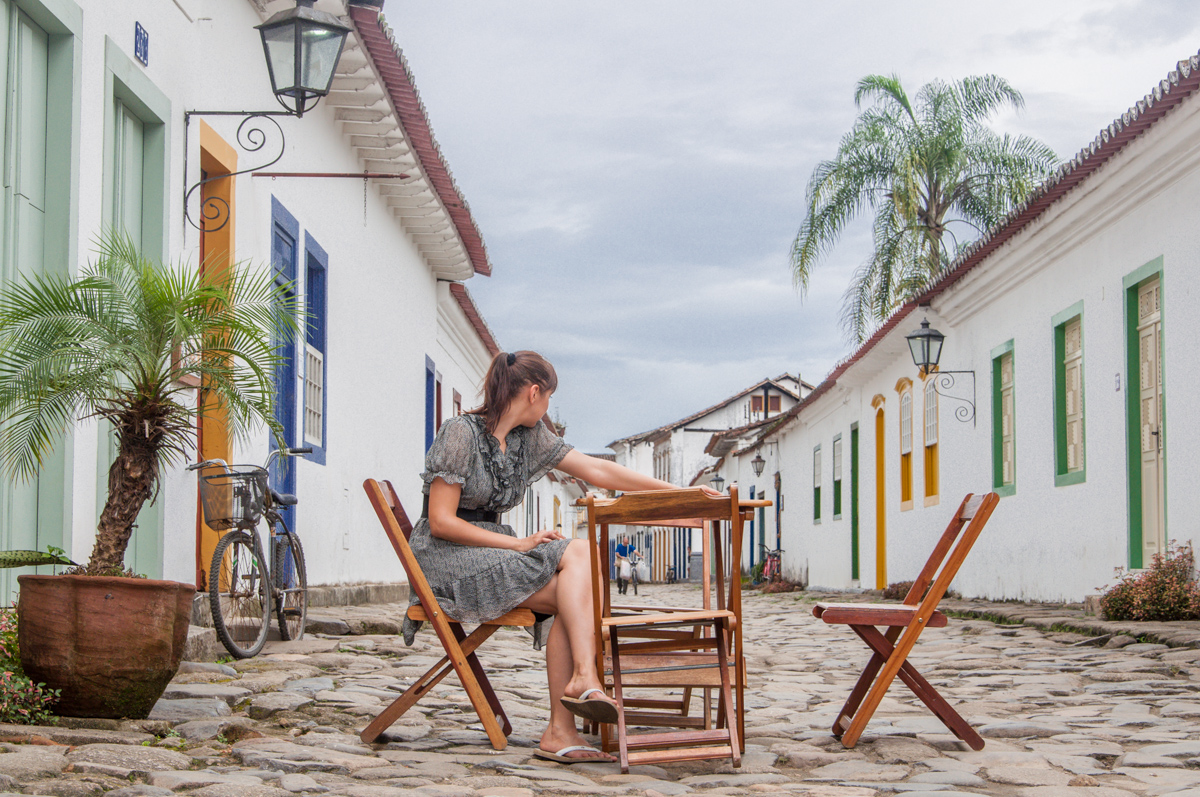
1044	542
382	317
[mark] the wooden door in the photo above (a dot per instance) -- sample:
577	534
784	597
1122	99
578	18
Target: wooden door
1151	419
32	512
880	505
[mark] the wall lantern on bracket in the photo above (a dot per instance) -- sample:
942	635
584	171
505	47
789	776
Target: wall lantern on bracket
925	345
302	47
718	483
758	463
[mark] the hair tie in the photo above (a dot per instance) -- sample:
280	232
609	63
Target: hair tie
512	358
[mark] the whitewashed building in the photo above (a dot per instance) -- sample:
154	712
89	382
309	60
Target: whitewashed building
1066	329
680	452
117	111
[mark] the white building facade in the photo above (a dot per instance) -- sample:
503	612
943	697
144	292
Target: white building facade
105	135
1066	329
682	453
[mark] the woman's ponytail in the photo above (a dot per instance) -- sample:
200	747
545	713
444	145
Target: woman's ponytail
507	376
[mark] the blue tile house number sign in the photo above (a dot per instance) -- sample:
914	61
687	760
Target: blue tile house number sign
141	44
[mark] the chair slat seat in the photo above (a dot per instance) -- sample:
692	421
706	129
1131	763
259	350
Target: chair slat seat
517	617
671	618
889	614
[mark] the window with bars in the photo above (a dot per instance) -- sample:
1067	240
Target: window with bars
314	416
837	477
817	484
906	436
1004	450
932	475
1068	397
662	462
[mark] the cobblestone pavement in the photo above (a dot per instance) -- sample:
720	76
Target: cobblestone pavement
1062	718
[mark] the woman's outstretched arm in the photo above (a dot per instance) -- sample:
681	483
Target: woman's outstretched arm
609	475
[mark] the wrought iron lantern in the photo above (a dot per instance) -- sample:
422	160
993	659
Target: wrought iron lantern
758	463
925	344
718	483
303	46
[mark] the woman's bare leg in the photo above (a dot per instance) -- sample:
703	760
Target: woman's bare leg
571	646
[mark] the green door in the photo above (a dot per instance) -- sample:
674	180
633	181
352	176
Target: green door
126	200
32	513
854	502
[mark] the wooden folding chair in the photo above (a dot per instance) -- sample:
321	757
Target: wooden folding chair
905	622
459	647
666	647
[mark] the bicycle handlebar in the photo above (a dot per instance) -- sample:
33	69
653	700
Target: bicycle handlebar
770	550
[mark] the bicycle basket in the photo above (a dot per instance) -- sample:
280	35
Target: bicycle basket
233	495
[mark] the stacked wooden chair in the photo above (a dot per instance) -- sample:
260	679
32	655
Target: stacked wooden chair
459	646
669	648
904	623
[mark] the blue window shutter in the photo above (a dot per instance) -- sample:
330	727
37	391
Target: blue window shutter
316	301
285	237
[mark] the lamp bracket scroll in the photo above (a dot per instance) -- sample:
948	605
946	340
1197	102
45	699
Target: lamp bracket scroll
253	135
944	381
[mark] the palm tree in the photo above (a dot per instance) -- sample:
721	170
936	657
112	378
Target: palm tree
119	343
920	168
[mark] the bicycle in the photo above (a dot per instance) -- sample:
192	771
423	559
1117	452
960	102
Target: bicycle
634	559
771	571
242	587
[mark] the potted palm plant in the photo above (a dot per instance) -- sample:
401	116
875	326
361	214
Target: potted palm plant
127	341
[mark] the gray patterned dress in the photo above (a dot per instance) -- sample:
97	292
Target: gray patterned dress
473	583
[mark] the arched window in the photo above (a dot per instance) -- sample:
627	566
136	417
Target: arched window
906	444
931	442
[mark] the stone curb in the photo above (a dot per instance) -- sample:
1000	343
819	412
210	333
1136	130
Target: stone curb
1052	617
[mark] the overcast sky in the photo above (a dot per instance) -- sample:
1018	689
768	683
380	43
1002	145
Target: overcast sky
637	168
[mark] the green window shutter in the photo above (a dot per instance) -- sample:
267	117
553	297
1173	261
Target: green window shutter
1004	447
1068	396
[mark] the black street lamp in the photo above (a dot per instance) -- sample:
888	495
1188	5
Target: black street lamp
925	345
758	463
718	483
302	46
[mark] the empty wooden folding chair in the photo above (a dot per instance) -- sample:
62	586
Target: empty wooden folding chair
904	623
665	648
459	646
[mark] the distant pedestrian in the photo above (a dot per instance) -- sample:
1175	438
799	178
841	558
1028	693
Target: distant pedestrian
625	561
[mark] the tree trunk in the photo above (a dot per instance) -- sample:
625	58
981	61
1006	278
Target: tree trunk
131	482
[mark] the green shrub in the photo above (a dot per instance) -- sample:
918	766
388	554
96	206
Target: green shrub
1166	590
21	700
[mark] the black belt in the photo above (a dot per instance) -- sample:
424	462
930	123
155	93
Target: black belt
469	515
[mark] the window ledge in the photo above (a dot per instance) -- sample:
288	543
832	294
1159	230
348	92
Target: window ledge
932	500
817	521
1067	479
837	517
1004	490
906	505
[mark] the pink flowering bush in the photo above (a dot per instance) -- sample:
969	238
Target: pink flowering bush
1166	590
21	700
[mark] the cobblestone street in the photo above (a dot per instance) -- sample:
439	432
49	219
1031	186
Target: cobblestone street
1062	716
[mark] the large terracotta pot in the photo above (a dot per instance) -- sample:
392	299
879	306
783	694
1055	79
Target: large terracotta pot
110	644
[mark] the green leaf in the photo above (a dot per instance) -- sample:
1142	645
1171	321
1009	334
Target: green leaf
31	558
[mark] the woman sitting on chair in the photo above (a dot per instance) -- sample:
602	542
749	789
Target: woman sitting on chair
479	466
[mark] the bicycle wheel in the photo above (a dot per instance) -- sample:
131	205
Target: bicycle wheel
291	586
237	593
